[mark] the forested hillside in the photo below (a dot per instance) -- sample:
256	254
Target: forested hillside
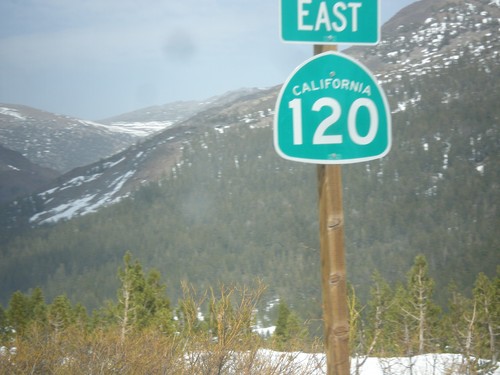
231	210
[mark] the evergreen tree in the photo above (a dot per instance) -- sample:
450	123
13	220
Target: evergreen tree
24	310
157	304
281	332
379	329
487	300
397	338
289	328
420	309
18	312
462	323
474	324
38	307
296	330
81	317
126	308
60	313
141	299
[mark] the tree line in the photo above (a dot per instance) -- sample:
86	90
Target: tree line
141	325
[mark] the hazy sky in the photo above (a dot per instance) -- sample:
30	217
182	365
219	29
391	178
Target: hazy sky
93	59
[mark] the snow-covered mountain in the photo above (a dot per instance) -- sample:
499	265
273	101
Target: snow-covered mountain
63	143
424	39
56	141
86	189
430	35
53	145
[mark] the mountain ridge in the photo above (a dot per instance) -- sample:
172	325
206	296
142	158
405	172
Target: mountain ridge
56	141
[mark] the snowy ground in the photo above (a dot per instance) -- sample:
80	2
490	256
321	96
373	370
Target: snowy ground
298	363
429	364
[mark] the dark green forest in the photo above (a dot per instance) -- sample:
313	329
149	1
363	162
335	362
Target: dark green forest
233	211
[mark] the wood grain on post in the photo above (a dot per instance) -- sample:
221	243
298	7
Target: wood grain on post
333	266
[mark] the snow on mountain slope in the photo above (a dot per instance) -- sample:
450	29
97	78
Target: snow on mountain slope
150	120
138	129
56	141
431	35
85	190
62	143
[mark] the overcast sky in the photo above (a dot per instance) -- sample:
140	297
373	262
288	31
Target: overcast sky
94	59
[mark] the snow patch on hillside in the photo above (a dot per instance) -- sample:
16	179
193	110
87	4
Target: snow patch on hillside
138	129
438	43
11	112
63	211
78	181
88	203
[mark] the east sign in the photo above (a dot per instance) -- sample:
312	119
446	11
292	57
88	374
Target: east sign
330	21
332	111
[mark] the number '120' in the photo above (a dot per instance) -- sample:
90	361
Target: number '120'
320	137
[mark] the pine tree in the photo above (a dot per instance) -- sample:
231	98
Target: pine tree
289	327
157	304
420	308
60	313
379	331
132	279
397	338
462	323
141	299
38	307
296	330
474	323
486	298
18	312
81	317
281	331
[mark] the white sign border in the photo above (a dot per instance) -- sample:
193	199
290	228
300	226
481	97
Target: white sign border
379	31
332	161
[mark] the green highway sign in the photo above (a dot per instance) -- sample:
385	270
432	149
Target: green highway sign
332	111
330	21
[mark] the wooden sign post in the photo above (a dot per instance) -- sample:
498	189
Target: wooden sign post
333	269
333	265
